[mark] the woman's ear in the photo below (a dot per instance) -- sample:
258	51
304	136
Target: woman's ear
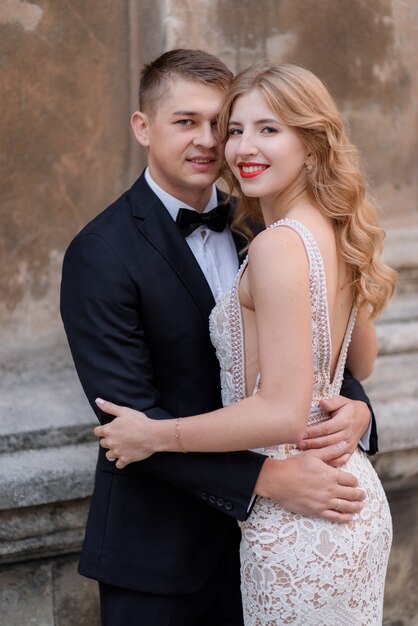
140	127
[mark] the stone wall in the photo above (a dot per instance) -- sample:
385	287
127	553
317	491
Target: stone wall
70	73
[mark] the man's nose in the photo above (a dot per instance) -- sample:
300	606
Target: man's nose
207	136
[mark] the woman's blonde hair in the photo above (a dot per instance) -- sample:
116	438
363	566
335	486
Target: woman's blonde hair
335	182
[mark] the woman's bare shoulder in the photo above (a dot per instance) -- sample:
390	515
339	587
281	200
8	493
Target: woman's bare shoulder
277	262
275	245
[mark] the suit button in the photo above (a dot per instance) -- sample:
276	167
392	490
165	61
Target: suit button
212	499
220	502
228	505
204	495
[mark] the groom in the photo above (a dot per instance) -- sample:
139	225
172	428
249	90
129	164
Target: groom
138	285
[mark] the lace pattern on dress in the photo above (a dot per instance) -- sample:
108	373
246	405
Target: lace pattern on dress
296	570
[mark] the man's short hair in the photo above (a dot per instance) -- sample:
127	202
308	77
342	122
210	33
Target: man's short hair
182	63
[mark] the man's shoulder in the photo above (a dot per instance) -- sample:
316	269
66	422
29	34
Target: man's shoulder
105	221
117	217
102	233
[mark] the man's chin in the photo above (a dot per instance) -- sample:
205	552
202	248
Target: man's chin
201	180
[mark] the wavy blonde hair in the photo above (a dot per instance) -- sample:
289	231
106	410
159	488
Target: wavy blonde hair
334	179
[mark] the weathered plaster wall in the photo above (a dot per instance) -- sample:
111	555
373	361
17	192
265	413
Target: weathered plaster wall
64	134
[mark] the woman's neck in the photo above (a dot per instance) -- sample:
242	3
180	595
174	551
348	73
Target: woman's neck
283	205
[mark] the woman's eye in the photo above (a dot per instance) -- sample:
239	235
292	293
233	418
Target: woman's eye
268	130
234	131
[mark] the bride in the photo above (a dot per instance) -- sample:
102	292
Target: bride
301	307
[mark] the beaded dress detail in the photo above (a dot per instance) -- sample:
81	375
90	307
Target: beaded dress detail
297	570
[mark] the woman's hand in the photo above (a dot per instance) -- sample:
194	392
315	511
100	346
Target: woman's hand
128	437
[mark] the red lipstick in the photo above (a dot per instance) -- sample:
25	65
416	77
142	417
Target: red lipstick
250	169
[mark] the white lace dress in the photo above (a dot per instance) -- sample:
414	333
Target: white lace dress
300	570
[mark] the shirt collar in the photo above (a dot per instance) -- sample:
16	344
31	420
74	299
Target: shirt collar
172	204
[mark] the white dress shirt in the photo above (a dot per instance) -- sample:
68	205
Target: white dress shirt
215	252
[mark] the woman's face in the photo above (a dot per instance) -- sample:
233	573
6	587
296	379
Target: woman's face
266	156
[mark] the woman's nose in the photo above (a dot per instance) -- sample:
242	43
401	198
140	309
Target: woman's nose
247	146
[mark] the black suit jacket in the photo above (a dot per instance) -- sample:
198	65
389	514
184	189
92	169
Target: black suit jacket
135	307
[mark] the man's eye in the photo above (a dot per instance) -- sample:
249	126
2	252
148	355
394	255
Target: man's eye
185	122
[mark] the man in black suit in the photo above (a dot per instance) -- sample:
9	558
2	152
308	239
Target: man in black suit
137	290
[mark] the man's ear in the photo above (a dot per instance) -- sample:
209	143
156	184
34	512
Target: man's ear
140	126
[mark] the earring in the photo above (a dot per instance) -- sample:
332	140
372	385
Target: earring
308	167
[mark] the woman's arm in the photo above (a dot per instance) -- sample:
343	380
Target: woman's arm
363	348
278	281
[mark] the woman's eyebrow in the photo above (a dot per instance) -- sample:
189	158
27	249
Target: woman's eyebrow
266	120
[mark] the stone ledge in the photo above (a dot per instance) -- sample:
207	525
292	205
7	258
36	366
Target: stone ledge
47	438
394	379
47	592
42	404
397	329
398	470
33	477
400	248
44	530
401	253
403	307
57	527
398	337
42	546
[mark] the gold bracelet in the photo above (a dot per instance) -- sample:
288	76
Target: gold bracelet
178	436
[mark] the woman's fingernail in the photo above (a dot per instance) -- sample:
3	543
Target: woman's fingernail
306	435
99	401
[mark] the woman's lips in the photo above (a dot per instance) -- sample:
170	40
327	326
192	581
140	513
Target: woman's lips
250	170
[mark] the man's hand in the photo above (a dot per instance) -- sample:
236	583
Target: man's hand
350	420
306	484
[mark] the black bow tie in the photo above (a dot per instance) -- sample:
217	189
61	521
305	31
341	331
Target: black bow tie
216	220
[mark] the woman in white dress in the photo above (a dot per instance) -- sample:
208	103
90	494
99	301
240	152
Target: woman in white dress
302	306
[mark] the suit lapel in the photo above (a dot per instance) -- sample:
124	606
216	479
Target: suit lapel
155	223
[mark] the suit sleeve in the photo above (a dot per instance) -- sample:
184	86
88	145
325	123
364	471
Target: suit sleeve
351	388
100	308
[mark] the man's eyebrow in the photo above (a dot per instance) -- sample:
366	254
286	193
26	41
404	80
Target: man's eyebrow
186	113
